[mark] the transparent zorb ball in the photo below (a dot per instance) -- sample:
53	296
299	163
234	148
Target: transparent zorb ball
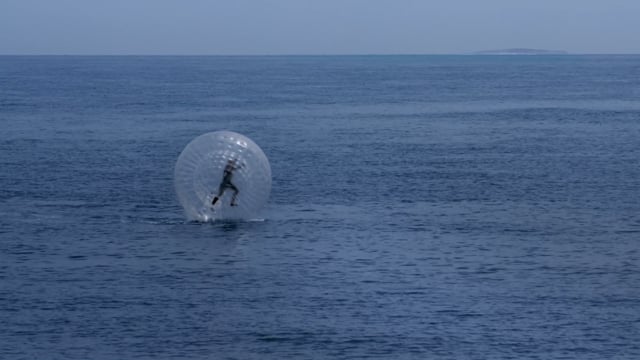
200	176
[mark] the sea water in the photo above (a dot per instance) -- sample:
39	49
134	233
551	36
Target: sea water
462	207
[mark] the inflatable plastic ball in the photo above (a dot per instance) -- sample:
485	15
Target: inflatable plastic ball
222	175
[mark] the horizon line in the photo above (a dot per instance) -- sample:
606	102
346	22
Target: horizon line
315	54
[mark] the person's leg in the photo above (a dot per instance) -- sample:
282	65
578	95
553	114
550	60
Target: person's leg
235	194
217	197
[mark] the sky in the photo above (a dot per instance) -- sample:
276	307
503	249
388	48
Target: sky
319	27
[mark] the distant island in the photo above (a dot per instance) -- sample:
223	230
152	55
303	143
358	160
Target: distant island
521	51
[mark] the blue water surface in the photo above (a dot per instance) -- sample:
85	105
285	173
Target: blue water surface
449	207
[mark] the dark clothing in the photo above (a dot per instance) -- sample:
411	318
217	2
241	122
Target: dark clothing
227	184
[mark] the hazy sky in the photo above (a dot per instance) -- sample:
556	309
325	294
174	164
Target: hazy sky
316	27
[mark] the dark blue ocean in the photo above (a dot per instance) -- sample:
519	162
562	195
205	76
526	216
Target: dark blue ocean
423	207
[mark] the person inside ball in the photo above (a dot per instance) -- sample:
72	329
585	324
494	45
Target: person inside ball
232	165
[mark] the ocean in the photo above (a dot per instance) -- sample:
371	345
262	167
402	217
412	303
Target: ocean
422	207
